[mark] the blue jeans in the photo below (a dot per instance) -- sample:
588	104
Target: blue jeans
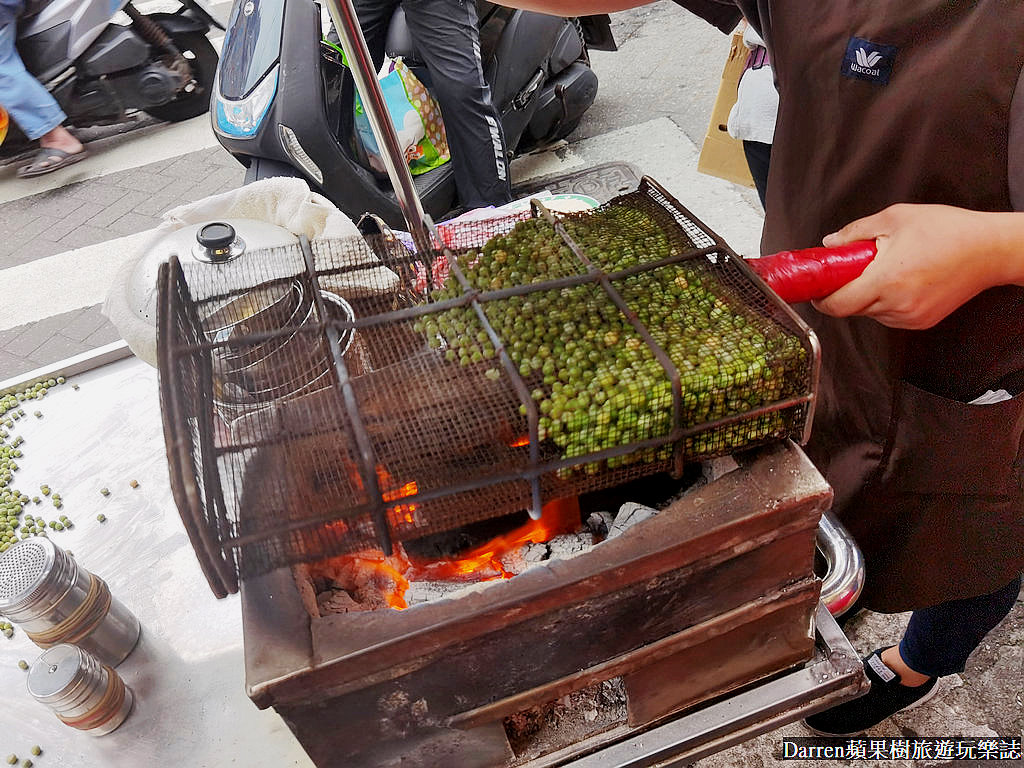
30	105
939	639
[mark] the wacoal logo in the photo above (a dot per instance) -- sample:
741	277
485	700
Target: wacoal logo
866	59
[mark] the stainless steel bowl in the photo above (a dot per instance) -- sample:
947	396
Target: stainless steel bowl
301	364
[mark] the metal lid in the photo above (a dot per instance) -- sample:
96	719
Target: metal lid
57	672
217	242
24	569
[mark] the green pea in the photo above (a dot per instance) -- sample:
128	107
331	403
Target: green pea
22	664
101	518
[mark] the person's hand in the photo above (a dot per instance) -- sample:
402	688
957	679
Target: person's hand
931	260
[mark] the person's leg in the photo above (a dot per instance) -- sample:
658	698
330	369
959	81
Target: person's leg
759	157
28	103
939	639
374	17
937	642
447	39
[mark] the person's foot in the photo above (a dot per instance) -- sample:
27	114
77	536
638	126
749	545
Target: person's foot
887	696
61	138
57	149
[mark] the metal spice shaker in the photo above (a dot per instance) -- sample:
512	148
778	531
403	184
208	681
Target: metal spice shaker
55	600
82	692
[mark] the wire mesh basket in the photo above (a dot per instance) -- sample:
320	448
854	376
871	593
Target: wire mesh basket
343	395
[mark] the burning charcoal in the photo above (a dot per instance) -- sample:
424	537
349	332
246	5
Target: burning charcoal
337	601
716	469
524	557
570	544
629	515
600	523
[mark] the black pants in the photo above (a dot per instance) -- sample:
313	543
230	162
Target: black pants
446	39
939	639
759	157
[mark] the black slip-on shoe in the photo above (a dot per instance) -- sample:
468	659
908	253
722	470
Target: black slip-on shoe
885	698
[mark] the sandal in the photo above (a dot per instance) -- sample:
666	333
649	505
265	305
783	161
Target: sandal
49	159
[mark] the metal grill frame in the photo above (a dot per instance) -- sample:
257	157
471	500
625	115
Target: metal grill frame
202	506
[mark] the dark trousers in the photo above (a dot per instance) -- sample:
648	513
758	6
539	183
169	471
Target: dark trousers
447	40
759	157
939	639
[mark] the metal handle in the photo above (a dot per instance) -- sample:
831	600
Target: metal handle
844	578
361	65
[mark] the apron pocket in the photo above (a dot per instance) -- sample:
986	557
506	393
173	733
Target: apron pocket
949	447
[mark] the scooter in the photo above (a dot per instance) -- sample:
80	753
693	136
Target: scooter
283	97
97	69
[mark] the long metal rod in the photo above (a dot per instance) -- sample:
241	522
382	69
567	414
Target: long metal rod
363	72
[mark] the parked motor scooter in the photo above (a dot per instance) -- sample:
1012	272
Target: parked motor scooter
283	98
98	70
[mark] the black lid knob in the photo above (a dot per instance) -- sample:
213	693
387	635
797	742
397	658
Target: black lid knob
216	237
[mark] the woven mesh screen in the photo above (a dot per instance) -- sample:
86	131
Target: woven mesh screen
350	394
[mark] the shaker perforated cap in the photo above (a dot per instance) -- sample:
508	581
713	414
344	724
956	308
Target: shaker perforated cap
56	673
24	572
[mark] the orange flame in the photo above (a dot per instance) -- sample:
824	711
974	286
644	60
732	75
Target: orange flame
521	442
484	562
480	564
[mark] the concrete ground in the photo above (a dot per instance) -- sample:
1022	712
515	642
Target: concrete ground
64	236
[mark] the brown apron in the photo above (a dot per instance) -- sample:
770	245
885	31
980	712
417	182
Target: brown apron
932	488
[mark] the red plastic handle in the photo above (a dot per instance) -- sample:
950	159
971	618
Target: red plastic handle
814	273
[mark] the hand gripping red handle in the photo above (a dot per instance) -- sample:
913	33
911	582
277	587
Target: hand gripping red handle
814	273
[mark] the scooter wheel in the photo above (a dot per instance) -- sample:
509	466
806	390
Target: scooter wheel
195	99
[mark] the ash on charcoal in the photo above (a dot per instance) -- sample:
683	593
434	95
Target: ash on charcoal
336	601
629	515
600	523
428	591
557	724
570	544
366	587
525	557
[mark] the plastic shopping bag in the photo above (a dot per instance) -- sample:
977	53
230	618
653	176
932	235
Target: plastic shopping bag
3	125
417	121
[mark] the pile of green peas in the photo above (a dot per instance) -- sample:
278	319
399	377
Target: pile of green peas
15	521
596	381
